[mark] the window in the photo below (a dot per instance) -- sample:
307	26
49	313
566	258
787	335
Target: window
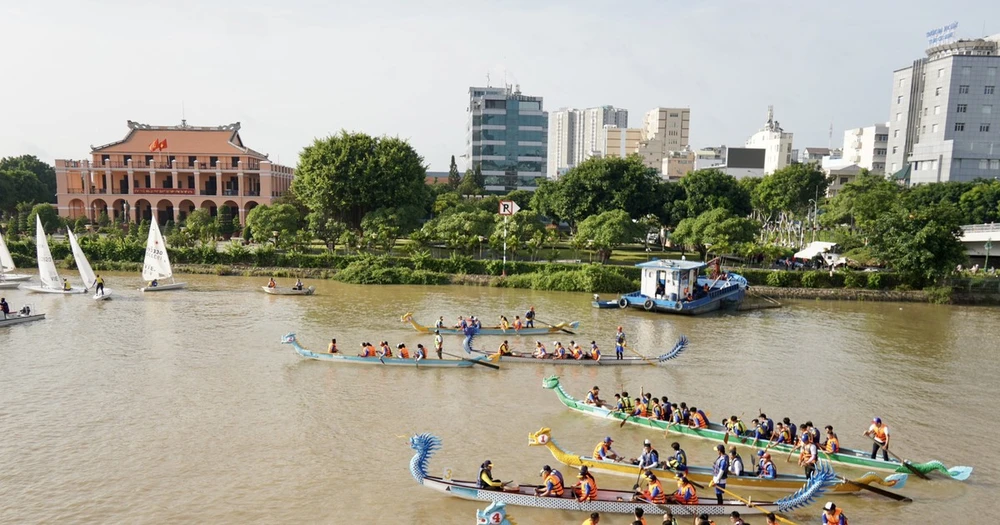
984	127
895	133
933	165
105	159
984	164
937	110
171	160
235	162
213	161
963	89
925	112
966	71
496	104
843	180
895	149
191	160
934	128
126	159
916	166
899	117
901	82
987	109
960	126
962	108
899	99
988	90
991	72
894	165
149	160
923	129
940	73
937	92
995	164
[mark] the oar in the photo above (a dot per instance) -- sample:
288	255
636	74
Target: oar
473	361
751	505
864	486
906	464
554	326
644	358
678	474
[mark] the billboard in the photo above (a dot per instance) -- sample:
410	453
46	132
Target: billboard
941	34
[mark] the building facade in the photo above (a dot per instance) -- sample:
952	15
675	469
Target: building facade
575	135
621	142
595	121
711	156
811	154
867	147
776	143
943	122
167	172
507	138
664	130
677	164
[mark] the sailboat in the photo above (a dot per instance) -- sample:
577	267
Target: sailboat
8	279
51	283
86	272
156	265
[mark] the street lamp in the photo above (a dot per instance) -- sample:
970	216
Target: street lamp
813	201
988	246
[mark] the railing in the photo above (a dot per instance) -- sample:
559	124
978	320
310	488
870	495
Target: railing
207	192
252	194
75	191
981	228
230	192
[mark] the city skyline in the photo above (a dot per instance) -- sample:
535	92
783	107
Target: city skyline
306	70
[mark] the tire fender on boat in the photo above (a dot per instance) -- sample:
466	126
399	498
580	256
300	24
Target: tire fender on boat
649	304
623	303
678	306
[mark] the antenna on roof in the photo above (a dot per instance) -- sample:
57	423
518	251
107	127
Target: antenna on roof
487	79
829	142
183	120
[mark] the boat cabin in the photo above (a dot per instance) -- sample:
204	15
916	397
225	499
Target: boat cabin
669	279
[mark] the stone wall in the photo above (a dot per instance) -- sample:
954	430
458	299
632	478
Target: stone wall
841	294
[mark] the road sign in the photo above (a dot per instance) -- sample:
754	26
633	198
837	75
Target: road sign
508	208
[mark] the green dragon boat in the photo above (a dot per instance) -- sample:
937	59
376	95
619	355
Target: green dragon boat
716	432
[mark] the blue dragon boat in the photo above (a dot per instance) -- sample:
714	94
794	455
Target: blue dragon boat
680	287
290	339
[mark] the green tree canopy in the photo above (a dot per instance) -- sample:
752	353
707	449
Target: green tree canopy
470	184
716	230
51	221
264	220
202	226
860	202
789	189
460	230
709	189
19	185
598	185
46	174
980	203
346	176
921	244
521	227
454	177
607	231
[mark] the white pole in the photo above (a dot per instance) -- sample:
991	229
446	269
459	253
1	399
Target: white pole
503	272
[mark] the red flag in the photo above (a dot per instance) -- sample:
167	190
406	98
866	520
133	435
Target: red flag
163	144
155	145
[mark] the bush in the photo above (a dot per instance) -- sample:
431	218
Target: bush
811	279
939	294
593	278
778	279
874	281
379	270
852	279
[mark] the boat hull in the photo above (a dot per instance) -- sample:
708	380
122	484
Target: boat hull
163	287
607	501
716	432
17	319
41	289
10	285
14	277
605	361
288	291
495	330
386	361
108	292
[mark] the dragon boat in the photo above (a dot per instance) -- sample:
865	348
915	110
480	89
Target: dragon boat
608	501
561	328
782	483
290	339
716	432
605	360
495	514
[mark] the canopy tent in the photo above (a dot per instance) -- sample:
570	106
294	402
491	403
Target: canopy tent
814	249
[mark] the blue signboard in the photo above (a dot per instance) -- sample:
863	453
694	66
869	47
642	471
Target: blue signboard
941	35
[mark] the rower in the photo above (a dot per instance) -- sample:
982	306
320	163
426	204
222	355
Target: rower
529	318
586	488
271	283
626	404
736	426
438	343
461	324
559	351
486	481
384	349
807	459
791	429
640	409
404	353
679	460
657	409
734	516
768	425
595	518
66	285
603	450
814	431
765	467
735	462
783	435
504	323
620	344
420	354
364	350
686	494
665	409
577	351
832	515
552	483
595	353
676	416
540	352
371	350
880	433
593	397
698	419
832	444
439	324
504	348
685	413
638	513
298	284
720	471
517	323
654	490
649	458
332	349
703	415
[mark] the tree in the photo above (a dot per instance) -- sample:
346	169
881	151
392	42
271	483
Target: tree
202	226
979	204
327	228
264	220
709	189
454	178
860	202
45	173
789	189
478	175
921	244
470	184
520	227
51	221
598	185
460	230
717	230
346	176
927	194
607	231
226	227
384	226
521	197
19	185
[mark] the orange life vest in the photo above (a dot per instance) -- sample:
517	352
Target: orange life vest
601	447
699	422
588	489
404	353
805	457
880	433
832	445
660	497
557	486
683	489
643	412
833	516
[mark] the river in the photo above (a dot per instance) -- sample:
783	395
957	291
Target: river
183	407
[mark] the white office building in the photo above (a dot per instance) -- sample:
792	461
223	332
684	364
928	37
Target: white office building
867	147
776	143
664	130
575	135
944	125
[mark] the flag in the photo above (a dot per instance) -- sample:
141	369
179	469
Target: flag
162	144
155	145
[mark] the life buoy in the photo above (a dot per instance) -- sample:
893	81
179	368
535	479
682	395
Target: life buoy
623	303
648	305
678	306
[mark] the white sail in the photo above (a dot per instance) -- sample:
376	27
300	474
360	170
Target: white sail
156	264
82	264
46	266
6	261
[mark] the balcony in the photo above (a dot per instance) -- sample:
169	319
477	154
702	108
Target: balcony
252	194
163	191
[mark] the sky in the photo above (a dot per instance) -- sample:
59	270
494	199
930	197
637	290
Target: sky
74	71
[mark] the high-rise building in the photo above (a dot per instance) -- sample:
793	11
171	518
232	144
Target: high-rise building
665	130
867	147
621	142
944	122
575	135
776	143
507	137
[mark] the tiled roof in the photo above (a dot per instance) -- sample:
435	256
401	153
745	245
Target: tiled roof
182	139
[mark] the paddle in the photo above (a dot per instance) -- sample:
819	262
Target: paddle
555	326
864	486
751	505
473	361
906	464
644	358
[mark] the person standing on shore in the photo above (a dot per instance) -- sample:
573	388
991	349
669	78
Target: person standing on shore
438	343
